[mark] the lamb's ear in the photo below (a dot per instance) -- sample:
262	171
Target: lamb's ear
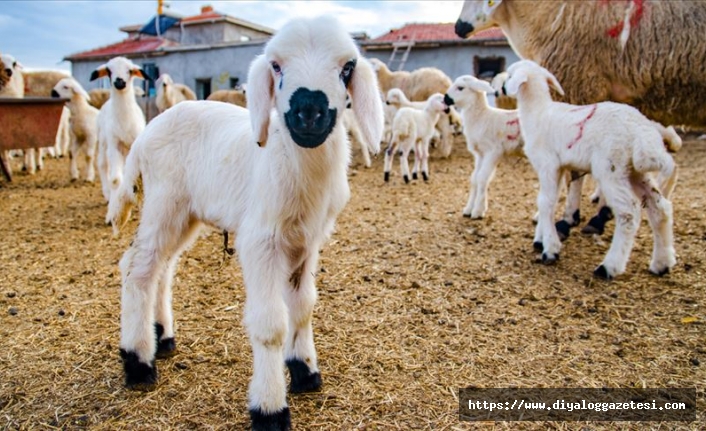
261	98
367	103
554	83
139	73
100	72
512	85
480	85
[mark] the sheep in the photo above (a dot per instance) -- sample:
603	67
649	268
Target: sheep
414	128
609	50
491	134
281	198
98	97
417	85
119	121
15	86
84	134
39	83
169	93
4	77
448	125
502	100
613	141
235	97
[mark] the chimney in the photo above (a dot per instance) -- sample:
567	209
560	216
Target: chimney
206	9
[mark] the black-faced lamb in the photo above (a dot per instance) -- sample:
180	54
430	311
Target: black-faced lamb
276	175
614	142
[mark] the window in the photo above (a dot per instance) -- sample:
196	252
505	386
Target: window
488	67
152	72
233	83
203	88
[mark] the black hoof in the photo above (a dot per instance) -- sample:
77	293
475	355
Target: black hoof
661	272
595	200
278	421
466	215
165	347
548	259
302	380
414	175
596	226
563	228
138	375
576	217
387	176
425	176
602	272
538	246
406	179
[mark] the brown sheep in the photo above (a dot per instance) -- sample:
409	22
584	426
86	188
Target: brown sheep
417	85
98	97
236	97
4	78
39	83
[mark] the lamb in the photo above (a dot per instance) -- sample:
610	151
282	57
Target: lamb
491	134
119	121
84	133
502	100
448	125
613	141
414	128
15	85
609	50
281	199
4	76
39	83
98	97
235	97
417	85
169	93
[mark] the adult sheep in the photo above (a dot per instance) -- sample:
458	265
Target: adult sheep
169	93
417	85
234	97
4	77
650	55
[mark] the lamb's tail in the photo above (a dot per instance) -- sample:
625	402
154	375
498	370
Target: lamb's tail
672	141
121	203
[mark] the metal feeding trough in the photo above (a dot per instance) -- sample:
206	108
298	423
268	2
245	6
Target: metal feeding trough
27	123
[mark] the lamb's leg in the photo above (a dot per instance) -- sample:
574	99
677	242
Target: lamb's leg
299	351
116	162
424	160
73	160
546	237
103	171
30	161
389	157
485	176
159	237
363	146
572	209
659	214
620	198
404	162
417	159
477	162
90	161
164	320
265	273
596	226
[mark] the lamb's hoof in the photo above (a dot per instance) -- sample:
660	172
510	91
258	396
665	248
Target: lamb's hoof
138	375
302	380
576	218
595	199
467	215
602	272
563	228
406	179
660	272
414	175
596	226
278	421
387	177
425	176
165	347
538	246
73	180
549	258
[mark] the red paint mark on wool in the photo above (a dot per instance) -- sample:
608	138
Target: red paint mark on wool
515	122
637	14
582	124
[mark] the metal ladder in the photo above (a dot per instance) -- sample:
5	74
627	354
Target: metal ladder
405	45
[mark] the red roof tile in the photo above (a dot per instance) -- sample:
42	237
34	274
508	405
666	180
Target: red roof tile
434	32
128	46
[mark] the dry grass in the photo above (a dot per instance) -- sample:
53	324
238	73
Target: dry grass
415	302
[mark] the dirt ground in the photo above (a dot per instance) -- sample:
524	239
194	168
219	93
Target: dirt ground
415	302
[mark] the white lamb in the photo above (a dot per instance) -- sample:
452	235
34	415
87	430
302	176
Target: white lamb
200	165
414	128
170	93
120	120
617	145
491	134
83	126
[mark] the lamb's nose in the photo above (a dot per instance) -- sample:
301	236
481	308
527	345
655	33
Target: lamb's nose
119	83
309	114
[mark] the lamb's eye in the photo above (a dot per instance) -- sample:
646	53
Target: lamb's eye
459	88
347	72
276	67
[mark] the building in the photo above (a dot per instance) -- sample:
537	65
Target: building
483	55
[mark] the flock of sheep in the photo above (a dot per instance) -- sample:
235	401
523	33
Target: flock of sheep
276	172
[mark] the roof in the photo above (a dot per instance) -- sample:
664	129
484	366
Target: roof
431	32
133	45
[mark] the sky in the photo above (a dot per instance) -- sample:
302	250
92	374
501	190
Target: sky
39	34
